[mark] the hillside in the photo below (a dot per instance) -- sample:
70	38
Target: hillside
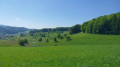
107	24
11	30
84	50
60	47
77	39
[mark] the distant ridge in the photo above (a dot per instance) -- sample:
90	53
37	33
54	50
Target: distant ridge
11	29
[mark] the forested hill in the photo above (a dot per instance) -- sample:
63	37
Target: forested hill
11	30
107	24
51	29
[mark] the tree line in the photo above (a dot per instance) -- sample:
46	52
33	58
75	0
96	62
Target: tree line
107	24
51	29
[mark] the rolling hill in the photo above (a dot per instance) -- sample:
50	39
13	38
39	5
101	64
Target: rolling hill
11	30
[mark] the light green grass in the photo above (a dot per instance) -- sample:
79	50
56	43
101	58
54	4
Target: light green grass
61	56
86	39
84	50
77	39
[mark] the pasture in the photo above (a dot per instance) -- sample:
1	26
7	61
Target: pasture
84	50
61	56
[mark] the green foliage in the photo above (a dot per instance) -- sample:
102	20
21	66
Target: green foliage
77	39
65	35
59	36
40	39
62	29
43	35
108	24
47	40
22	42
51	29
55	39
26	41
75	29
68	38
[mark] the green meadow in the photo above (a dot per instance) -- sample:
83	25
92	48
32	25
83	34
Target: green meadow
62	56
76	39
84	50
59	33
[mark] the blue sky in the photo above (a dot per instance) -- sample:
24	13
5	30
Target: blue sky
53	13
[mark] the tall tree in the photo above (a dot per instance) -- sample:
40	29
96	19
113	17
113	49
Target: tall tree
75	29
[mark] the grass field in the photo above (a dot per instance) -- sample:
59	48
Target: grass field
77	39
84	50
61	56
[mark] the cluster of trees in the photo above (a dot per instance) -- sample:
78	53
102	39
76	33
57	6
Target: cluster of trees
47	40
60	37
75	29
51	29
38	35
55	39
108	24
22	42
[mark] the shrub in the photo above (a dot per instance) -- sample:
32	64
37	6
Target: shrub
65	35
61	37
43	35
26	41
69	38
22	42
40	39
47	40
55	39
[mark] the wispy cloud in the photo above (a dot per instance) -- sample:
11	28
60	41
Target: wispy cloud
17	18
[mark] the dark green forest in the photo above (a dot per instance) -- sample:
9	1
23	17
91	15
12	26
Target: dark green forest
51	29
107	24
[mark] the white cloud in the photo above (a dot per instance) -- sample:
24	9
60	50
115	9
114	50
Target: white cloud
17	18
